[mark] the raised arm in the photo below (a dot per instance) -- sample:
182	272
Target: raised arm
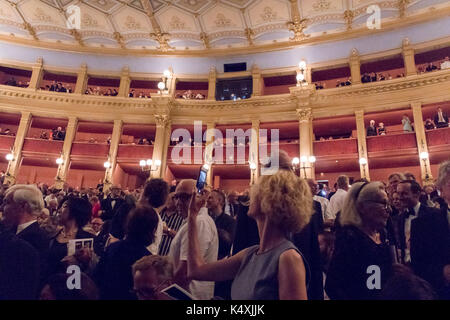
221	270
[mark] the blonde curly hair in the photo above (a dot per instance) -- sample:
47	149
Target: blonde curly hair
285	199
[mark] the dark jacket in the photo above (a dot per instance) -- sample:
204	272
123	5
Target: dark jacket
348	273
371	131
429	244
113	273
37	237
108	211
307	241
246	230
226	229
19	268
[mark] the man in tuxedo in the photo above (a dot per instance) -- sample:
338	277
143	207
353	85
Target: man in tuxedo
23	204
19	276
424	237
371	129
441	119
443	185
232	206
111	204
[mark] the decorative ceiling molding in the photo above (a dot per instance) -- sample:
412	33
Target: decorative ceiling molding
204	27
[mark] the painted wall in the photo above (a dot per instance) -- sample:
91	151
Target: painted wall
238	185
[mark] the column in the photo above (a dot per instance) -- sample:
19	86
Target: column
37	74
160	149
308	74
362	146
408	58
254	152
125	82
171	83
422	146
256	76
14	164
63	168
209	147
82	80
212	83
355	67
112	156
306	142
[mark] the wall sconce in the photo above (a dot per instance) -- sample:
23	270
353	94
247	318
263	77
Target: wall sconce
162	85
60	160
149	165
301	163
10	156
301	75
107	164
424	157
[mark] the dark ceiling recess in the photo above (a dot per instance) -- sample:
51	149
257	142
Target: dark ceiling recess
144	84
192	85
60	77
328	74
280	81
433	55
382	65
16	72
235	67
104	82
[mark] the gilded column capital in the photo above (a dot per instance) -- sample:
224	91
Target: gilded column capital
304	114
162	120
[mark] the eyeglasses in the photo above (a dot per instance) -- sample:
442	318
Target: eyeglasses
384	204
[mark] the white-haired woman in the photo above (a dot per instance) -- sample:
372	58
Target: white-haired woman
362	259
281	204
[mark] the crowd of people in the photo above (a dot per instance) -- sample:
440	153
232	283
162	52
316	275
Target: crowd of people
133	94
285	238
57	87
97	91
374	77
13	82
440	65
188	95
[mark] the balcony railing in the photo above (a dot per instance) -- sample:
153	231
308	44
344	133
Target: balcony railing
392	142
438	137
335	147
42	146
6	142
130	151
90	149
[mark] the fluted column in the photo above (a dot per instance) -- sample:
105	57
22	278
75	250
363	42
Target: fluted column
37	74
82	80
63	168
125	82
355	67
257	78
112	156
162	141
209	147
14	164
212	83
422	147
254	152
362	145
306	141
408	58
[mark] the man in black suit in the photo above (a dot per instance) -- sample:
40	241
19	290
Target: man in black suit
441	119
307	241
19	267
246	228
371	129
111	204
22	206
424	236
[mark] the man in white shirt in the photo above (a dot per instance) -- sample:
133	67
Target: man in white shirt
337	200
208	240
445	64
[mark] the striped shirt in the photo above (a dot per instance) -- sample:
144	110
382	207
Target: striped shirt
174	222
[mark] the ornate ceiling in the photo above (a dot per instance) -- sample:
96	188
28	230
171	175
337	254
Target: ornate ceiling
193	25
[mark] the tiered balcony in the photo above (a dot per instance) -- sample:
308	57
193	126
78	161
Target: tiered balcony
41	148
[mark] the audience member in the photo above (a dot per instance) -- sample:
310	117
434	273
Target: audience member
406	124
360	244
151	274
441	119
281	203
337	200
381	129
371	129
172	222
429	125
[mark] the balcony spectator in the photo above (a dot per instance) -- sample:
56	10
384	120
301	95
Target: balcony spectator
199	96
7	132
108	93
381	129
445	64
11	82
406	124
431	67
365	78
429	125
54	86
389	77
44	135
441	118
59	134
381	77
373	77
131	94
371	130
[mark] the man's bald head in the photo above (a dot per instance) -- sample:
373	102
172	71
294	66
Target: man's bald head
183	194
